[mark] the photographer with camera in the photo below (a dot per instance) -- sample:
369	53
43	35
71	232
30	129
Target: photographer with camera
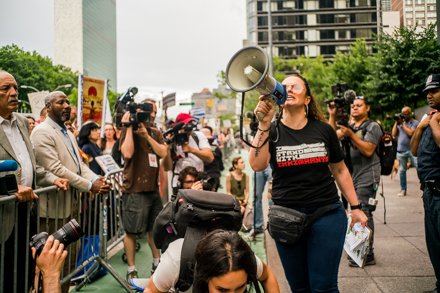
403	129
141	146
49	255
49	264
363	136
190	178
188	147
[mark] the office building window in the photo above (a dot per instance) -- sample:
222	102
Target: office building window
262	37
325	18
408	2
262	20
326	4
327	35
328	50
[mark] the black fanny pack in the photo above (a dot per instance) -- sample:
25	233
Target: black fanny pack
289	225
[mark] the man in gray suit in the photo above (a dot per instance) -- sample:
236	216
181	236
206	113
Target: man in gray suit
15	145
56	150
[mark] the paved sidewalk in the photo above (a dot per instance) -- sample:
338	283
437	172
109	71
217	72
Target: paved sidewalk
402	260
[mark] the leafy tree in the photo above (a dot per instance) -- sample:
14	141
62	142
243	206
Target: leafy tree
401	65
353	68
32	69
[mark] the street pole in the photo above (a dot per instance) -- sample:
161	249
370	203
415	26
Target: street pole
63	86
30	87
269	35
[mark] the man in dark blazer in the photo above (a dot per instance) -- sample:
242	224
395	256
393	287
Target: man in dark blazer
15	145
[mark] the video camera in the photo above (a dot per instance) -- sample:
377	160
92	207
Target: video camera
126	103
208	183
398	116
67	234
342	100
180	137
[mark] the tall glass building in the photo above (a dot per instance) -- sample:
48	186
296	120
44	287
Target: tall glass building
85	37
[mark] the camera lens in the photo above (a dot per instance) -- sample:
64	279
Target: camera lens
69	233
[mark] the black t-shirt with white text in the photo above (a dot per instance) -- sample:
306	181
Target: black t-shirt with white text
299	160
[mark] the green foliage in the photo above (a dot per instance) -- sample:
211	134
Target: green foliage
402	63
32	69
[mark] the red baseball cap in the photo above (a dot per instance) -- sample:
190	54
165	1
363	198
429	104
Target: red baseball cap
184	117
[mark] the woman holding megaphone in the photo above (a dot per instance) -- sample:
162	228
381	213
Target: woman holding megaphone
307	220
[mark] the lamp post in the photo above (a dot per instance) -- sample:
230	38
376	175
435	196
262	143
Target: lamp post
63	86
30	87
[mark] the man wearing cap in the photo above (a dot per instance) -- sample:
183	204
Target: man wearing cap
194	152
425	143
403	128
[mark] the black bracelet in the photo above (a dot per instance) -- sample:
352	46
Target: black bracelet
263	130
355	207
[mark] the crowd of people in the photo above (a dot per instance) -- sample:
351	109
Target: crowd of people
305	159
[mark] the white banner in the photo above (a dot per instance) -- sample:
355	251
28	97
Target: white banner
36	100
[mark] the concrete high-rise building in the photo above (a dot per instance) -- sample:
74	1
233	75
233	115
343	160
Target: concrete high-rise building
415	13
85	37
312	27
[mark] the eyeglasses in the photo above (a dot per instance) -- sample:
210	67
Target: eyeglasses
296	88
189	182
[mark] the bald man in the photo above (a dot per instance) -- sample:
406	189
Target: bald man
403	130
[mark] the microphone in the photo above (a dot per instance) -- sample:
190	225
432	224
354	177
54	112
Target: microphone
174	129
8	165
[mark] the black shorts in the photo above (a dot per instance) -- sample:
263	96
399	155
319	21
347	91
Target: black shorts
139	210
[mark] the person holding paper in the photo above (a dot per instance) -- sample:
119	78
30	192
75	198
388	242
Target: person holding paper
306	160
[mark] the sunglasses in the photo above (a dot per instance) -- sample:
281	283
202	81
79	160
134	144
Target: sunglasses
296	88
189	181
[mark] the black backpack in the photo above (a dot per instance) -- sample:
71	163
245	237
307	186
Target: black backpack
190	215
386	149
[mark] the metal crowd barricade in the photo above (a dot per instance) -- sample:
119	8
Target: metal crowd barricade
14	266
98	215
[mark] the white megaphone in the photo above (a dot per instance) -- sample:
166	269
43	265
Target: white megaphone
248	70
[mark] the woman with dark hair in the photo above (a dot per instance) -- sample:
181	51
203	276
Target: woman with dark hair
88	138
237	183
306	160
109	139
226	263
